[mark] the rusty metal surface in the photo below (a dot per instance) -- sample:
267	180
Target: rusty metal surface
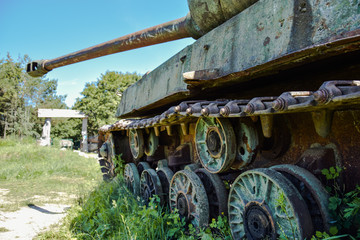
188	195
165	175
169	31
150	185
216	193
312	191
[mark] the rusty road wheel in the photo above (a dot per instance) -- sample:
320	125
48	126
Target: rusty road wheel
215	143
188	195
132	178
150	185
312	191
215	191
165	175
263	204
247	143
136	142
107	169
142	166
152	143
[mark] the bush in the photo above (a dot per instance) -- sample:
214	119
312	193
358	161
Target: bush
113	212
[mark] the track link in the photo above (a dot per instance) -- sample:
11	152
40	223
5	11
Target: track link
331	94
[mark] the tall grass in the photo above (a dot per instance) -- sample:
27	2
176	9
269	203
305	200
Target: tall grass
112	212
33	174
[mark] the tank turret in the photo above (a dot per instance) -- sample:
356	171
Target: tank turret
204	15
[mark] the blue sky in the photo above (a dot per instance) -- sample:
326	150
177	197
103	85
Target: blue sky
45	29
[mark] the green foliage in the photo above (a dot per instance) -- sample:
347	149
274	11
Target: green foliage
21	96
112	212
101	98
218	229
344	208
119	165
281	203
331	173
326	236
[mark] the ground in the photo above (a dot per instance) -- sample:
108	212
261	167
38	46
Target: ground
25	220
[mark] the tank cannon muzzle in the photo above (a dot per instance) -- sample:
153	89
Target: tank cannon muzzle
36	68
204	15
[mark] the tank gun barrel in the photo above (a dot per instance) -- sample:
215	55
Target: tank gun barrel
169	31
199	21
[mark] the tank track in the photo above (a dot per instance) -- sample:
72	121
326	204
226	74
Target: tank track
224	131
331	94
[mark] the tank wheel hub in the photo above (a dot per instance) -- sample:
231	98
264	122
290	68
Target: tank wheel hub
215	143
259	222
146	193
183	205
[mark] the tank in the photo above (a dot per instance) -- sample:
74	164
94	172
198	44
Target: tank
244	121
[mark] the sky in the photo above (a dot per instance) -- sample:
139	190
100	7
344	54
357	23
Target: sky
46	29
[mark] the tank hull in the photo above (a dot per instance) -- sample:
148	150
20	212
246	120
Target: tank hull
266	38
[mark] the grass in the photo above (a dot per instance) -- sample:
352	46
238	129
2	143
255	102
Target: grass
31	174
112	212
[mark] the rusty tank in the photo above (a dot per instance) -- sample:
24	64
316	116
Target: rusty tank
252	112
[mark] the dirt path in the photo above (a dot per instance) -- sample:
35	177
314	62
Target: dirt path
30	220
27	222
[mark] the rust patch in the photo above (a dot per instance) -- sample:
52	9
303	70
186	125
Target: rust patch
281	22
278	34
266	41
260	27
246	141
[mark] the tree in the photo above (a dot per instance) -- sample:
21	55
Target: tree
21	96
101	98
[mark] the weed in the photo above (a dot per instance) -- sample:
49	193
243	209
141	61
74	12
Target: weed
344	208
119	165
113	212
281	203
